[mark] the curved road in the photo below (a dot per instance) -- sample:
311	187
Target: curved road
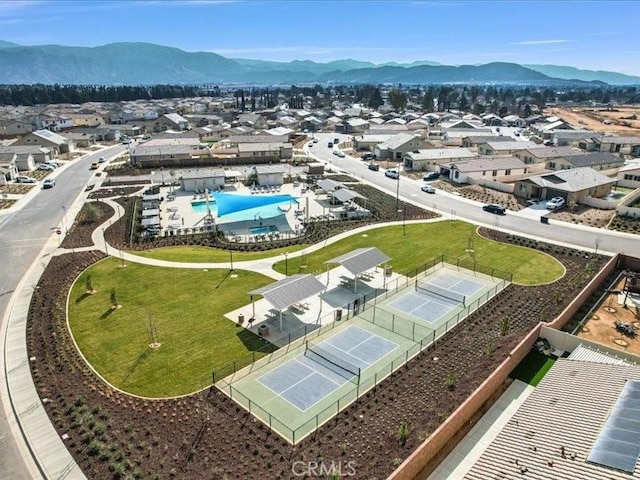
25	232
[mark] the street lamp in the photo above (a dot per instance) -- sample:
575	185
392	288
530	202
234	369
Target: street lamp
404	218
106	248
286	264
231	259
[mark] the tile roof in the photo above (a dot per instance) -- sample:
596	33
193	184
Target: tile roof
565	413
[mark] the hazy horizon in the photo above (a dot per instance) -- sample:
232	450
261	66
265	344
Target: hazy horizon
449	32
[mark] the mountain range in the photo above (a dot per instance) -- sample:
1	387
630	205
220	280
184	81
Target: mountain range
147	63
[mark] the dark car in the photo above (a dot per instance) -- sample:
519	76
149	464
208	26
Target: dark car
431	176
374	166
495	208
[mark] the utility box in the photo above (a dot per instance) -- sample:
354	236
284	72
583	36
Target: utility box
263	330
339	314
544	220
388	270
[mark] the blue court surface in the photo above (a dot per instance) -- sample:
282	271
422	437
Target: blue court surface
431	307
308	378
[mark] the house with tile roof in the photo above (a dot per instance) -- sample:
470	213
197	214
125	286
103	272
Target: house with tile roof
573	185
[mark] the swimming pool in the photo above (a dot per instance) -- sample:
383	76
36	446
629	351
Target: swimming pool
266	211
262	230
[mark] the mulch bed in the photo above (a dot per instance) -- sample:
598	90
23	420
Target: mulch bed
91	215
110	192
207	436
483	195
625	224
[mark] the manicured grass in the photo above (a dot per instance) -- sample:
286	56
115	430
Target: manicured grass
186	308
423	242
198	254
533	368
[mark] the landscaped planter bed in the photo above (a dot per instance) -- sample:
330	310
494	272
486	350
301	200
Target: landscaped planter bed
207	436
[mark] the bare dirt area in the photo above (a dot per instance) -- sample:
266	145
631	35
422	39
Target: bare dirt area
208	436
601	326
589	118
583	215
482	195
17	188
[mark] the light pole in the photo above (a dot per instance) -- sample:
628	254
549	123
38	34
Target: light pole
231	259
64	218
398	190
106	248
404	218
286	264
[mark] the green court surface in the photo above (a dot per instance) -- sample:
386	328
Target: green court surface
295	391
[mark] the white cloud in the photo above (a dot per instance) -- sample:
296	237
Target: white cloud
539	42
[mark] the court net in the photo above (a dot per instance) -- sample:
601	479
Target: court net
315	352
441	292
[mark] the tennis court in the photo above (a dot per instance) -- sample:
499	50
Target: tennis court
297	392
446	293
325	366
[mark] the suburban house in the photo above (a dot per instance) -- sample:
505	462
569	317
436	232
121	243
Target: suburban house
573	185
570	137
86	119
621	145
504	148
269	174
47	138
472	141
546	130
423	159
254	120
514	121
457	134
54	123
540	155
102	133
356	125
8	167
595	160
14	128
81	140
491	168
167	155
629	175
395	147
209	133
28	155
174	121
368	142
569	427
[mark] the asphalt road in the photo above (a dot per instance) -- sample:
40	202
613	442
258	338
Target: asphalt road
22	236
559	232
25	232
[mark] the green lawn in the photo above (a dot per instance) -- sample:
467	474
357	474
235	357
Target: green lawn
426	241
532	368
186	307
198	254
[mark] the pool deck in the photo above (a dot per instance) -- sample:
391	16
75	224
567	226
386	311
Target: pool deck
178	213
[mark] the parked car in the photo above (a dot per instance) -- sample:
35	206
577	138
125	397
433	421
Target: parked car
367	156
392	174
336	141
431	176
495	208
374	166
25	179
428	189
44	166
52	163
48	183
338	153
315	140
330	145
310	144
555	203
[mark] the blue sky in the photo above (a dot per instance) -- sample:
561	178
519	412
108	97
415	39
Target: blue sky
598	35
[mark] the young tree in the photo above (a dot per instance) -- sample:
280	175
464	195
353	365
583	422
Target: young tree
114	298
88	283
427	101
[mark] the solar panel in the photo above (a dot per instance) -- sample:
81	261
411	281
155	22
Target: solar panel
618	444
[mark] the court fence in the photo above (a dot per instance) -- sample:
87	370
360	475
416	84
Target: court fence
247	364
422	337
297	434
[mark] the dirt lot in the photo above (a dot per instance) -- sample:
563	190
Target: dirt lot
593	118
601	328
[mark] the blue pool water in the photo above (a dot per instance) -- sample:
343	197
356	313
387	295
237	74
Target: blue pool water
262	230
266	211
